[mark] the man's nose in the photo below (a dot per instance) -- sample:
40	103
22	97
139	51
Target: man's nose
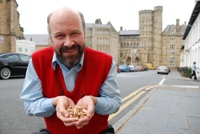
68	42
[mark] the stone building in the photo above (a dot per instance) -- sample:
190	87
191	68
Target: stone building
103	37
150	44
10	29
172	41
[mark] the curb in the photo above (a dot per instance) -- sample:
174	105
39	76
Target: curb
119	124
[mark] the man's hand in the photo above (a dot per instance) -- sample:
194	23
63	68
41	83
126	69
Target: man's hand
89	103
61	103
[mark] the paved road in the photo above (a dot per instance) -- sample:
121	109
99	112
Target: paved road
13	119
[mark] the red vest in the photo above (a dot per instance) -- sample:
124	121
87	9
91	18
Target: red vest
95	69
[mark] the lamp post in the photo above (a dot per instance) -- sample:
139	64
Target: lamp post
186	56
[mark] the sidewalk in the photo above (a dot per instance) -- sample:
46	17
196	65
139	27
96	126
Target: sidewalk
165	110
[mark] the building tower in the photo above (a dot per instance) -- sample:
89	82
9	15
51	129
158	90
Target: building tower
146	35
150	27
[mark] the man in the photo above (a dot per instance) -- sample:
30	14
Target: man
194	71
68	74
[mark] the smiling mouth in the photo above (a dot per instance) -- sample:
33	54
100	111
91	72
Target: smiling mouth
69	49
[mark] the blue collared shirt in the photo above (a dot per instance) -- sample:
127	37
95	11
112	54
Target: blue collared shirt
36	104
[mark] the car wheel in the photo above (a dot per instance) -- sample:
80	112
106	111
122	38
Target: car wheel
5	73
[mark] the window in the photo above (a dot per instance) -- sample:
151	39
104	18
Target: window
24	57
13	57
172	48
172	60
172	39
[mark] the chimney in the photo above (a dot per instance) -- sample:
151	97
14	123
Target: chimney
177	22
177	26
121	28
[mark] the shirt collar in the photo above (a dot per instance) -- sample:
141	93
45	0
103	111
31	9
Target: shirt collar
55	61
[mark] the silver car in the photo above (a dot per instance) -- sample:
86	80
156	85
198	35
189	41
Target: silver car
163	70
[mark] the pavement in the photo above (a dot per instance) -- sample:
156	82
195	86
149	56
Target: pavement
166	109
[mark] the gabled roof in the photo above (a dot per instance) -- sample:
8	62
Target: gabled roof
166	29
97	25
193	17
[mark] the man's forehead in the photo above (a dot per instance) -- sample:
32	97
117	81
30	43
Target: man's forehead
64	13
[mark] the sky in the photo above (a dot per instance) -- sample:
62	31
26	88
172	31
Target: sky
121	13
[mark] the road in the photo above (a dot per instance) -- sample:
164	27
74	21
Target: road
13	119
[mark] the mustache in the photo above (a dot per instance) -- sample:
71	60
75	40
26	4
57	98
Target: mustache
67	49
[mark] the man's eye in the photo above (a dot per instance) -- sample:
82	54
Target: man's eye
59	36
75	34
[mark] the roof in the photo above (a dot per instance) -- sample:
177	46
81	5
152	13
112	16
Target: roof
193	17
39	39
97	25
166	29
129	32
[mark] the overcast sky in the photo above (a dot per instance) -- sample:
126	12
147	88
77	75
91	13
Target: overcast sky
125	13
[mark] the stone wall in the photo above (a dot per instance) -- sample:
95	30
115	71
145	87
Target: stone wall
10	28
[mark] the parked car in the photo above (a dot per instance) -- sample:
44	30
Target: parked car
163	70
136	68
132	68
141	68
124	68
13	64
150	66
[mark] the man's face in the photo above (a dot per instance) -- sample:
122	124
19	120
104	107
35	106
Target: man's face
67	36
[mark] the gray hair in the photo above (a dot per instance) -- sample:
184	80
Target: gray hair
80	14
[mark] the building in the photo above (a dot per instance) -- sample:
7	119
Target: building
10	29
150	44
103	37
171	44
191	49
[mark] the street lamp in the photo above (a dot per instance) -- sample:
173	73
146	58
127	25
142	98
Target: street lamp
186	56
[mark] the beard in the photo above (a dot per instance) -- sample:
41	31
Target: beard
71	60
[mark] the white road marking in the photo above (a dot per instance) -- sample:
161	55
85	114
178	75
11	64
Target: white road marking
186	86
162	81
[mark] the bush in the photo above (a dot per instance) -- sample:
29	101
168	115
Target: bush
189	72
185	71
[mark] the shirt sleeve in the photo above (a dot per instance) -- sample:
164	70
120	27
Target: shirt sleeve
110	99
34	101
